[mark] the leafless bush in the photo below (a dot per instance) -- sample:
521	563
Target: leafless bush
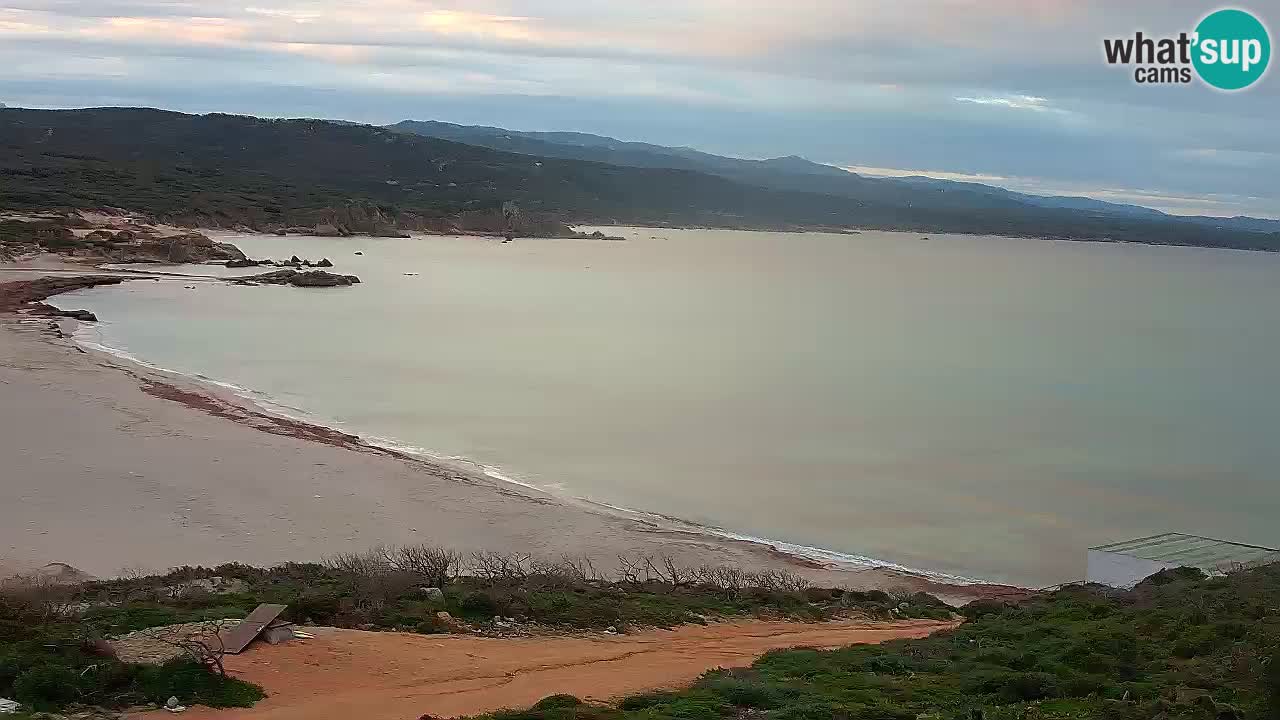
900	595
436	566
649	570
200	642
40	598
371	562
567	572
727	578
778	580
375	579
500	567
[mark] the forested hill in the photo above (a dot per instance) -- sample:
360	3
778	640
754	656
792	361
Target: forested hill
224	169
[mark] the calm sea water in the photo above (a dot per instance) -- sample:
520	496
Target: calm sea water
980	406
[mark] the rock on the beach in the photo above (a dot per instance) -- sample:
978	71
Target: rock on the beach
242	263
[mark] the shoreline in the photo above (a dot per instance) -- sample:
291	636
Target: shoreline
233	402
217	400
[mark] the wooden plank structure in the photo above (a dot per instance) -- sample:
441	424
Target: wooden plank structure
235	640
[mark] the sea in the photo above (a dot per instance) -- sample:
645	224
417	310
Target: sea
983	408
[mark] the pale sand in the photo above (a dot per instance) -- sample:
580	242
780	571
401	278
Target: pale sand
104	476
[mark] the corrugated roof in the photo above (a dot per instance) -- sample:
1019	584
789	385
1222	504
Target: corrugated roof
1193	551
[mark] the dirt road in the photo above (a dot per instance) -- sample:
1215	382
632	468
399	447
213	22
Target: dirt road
344	674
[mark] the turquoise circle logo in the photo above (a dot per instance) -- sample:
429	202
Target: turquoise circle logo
1232	49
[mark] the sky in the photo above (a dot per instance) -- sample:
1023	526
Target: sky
1007	92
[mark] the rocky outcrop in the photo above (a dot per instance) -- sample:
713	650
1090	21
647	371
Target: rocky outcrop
388	231
327	230
14	295
185	248
244	263
46	310
312	278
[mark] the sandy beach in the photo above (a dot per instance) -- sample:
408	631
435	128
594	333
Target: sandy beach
112	467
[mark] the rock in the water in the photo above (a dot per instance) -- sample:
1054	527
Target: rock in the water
313	278
242	263
320	278
295	259
359	253
324	262
281	232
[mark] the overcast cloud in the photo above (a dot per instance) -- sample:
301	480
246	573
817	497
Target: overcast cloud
1010	92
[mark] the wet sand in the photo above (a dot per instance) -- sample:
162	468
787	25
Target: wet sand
375	676
111	467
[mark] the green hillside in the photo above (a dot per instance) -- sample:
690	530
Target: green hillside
225	170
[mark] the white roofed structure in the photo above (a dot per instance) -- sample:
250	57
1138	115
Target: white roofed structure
1125	564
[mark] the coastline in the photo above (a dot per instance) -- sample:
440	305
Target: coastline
233	402
478	502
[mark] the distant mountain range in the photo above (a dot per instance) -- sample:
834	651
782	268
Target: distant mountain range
797	173
228	170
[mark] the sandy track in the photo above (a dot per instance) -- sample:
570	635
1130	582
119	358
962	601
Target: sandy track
344	674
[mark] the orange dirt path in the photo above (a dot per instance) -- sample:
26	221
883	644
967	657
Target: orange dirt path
344	674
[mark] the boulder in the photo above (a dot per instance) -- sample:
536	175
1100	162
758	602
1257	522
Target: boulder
434	594
225	250
324	262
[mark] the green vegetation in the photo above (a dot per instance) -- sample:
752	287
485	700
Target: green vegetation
223	170
1177	647
51	659
52	655
404	588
